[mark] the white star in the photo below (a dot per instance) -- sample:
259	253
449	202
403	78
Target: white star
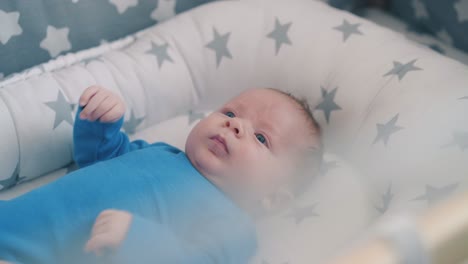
445	36
420	9
123	5
164	11
461	8
56	41
9	26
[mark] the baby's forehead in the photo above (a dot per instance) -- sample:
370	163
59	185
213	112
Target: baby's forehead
264	100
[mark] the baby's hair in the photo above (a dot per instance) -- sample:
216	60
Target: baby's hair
310	166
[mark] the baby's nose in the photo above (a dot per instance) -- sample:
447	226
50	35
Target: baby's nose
235	126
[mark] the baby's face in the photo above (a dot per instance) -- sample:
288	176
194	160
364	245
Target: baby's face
248	147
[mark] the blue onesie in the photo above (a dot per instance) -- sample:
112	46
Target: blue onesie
179	216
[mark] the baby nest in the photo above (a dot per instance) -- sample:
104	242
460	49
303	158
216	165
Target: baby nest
393	113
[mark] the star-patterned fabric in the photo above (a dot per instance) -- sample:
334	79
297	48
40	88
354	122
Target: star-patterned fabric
219	46
160	51
441	42
394	114
448	20
33	32
280	34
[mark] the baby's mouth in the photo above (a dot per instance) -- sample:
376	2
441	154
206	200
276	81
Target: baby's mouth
220	144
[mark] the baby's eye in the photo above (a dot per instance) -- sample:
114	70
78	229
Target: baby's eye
230	114
261	138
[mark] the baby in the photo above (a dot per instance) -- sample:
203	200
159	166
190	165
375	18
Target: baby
134	202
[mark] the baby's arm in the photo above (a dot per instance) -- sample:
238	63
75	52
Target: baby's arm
133	239
96	132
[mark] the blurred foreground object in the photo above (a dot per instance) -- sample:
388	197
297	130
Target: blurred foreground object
440	236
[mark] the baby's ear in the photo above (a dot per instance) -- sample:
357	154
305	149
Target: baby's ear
278	200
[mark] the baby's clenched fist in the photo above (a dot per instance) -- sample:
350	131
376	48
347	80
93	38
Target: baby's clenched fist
101	104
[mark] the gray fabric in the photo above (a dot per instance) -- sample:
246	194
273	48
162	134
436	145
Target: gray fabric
33	32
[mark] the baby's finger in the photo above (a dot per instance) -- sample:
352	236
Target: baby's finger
104	107
100	227
107	213
87	94
113	114
93	104
97	244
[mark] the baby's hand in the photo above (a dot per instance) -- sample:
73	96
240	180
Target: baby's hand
109	230
100	103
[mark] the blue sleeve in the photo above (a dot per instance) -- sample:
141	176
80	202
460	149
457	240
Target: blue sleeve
150	242
97	141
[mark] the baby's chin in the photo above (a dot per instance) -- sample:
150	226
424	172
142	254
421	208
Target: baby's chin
206	163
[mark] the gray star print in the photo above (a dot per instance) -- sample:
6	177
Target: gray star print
434	194
460	139
160	51
384	131
280	34
219	45
327	166
401	69
72	167
386	199
193	116
348	29
130	125
328	105
300	214
62	110
12	180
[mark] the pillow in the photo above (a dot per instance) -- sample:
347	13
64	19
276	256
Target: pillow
448	20
32	32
